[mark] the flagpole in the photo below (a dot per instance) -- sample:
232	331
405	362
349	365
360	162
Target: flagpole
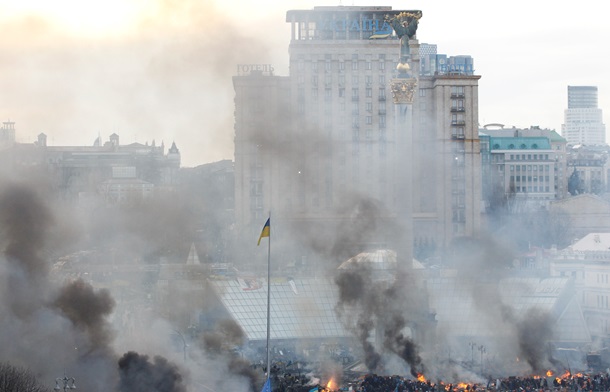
269	299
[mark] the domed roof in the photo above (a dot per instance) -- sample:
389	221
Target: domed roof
380	259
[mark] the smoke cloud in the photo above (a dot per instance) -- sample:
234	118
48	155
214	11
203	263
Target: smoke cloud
366	305
138	374
88	311
25	222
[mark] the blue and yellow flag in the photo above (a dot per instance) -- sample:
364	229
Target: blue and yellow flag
267	386
266	231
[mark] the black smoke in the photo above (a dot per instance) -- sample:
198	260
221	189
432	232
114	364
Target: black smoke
25	222
220	341
39	318
87	310
366	305
401	345
535	330
138	374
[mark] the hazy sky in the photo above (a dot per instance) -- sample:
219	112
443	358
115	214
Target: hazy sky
161	69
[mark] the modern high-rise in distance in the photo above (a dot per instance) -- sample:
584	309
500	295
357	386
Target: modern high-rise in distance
583	122
319	146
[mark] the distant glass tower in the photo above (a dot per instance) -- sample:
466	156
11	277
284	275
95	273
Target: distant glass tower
583	123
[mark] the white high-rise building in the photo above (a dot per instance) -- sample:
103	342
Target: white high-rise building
583	122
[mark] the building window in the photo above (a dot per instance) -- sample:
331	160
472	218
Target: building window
458	119
457	132
457	92
457	105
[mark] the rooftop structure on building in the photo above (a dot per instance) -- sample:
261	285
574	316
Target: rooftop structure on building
7	134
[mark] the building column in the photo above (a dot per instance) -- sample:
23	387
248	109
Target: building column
403	91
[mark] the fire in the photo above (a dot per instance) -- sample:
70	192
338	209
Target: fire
578	375
565	375
421	378
549	373
331	385
462	385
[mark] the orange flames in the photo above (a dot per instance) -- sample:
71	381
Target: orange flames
421	378
462	385
331	385
549	373
565	375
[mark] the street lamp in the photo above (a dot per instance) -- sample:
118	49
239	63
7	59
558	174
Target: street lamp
482	350
472	346
68	383
184	345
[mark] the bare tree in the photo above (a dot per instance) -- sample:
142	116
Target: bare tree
16	379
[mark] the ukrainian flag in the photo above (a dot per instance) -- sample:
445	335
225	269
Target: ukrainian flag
266	231
267	386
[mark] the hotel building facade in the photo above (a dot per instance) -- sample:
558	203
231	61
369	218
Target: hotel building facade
319	147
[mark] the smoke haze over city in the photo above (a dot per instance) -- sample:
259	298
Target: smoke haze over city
134	266
162	71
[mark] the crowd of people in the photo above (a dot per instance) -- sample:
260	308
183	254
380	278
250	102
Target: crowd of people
599	382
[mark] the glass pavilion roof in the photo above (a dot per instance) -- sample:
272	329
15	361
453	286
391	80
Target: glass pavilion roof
301	308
